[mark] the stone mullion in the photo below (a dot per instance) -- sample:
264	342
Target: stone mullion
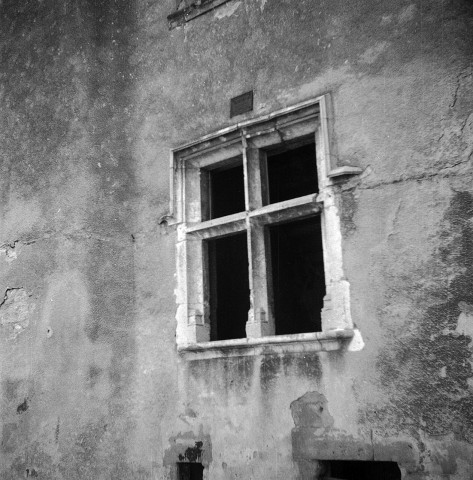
260	316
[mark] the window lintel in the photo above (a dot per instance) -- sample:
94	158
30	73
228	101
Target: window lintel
284	118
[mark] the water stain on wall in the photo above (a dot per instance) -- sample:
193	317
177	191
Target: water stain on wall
428	372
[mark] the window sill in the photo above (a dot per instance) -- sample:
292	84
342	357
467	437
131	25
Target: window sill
344	171
243	347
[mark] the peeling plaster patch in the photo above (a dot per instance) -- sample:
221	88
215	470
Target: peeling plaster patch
263	3
12	249
15	310
226	10
371	54
386	19
9	251
22	407
311	410
465	320
188	415
192	454
443	372
356	343
407	14
189	447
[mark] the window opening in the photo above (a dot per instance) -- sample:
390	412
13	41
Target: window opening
229	290
360	470
226	191
190	471
292	173
253	202
298	280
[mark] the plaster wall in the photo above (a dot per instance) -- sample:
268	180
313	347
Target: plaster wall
93	95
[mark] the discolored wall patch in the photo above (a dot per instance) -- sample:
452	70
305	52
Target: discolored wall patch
428	372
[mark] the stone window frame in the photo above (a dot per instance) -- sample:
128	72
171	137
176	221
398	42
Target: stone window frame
248	139
186	10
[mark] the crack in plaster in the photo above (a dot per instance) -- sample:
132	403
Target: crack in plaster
72	235
356	183
444	172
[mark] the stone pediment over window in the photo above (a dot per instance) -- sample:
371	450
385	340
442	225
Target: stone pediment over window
186	10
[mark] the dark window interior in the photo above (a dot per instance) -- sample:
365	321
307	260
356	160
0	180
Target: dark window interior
298	275
359	470
226	191
229	287
190	471
292	173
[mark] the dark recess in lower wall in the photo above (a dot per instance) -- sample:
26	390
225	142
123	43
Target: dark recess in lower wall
360	470
190	471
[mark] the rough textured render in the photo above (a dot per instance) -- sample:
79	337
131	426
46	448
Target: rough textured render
93	95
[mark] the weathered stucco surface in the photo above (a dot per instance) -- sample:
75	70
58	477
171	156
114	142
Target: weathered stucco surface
93	95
